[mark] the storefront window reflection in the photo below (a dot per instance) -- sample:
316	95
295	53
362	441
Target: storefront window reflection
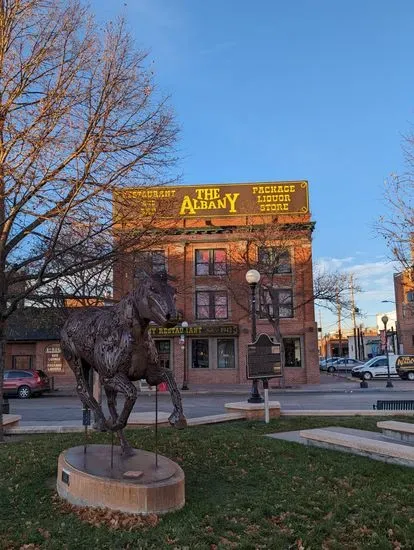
199	354
225	354
293	356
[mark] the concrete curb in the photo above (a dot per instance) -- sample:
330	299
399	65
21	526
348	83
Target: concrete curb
211	419
274	392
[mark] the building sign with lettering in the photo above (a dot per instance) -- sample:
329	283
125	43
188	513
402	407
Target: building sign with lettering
53	358
263	358
206	201
223	330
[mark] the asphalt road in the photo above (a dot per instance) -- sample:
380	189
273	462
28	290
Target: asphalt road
54	409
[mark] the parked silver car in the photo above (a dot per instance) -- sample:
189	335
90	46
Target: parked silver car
342	364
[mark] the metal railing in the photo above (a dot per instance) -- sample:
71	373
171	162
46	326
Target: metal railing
395	405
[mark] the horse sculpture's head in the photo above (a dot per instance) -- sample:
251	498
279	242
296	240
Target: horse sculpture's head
154	299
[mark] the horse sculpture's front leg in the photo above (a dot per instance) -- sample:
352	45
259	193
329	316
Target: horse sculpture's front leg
121	383
177	418
111	400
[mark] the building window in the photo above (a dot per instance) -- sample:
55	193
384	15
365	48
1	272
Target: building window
153	261
23	362
293	354
164	351
274	260
199	354
211	304
213	353
211	262
225	354
284	297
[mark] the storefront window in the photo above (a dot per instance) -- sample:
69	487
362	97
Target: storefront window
293	355
199	354
163	348
225	354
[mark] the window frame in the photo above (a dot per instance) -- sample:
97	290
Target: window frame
148	260
212	294
276	268
217	341
191	354
211	262
29	358
264	305
301	350
213	355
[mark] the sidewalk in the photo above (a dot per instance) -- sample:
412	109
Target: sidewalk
329	384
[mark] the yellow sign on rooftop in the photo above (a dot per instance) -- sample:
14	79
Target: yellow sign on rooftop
207	201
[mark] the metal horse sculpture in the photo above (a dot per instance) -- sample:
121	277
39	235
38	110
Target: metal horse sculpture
115	342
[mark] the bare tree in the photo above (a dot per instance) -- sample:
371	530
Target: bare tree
80	117
282	254
396	225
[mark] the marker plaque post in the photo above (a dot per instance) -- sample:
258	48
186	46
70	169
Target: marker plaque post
263	362
86	421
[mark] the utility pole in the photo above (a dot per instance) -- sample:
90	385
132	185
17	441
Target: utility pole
320	331
339	325
361	344
356	342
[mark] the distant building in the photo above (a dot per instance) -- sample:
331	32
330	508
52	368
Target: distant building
404	303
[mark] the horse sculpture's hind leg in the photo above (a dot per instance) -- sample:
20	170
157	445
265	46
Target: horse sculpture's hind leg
111	400
83	389
177	418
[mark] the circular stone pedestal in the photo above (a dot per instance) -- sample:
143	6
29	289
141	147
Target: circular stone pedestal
134	484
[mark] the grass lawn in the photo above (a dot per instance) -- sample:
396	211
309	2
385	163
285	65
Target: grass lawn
242	491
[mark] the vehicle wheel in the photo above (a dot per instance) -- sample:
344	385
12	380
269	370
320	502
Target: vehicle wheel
331	369
24	392
367	376
410	376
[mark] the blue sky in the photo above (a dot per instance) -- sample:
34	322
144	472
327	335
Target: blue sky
297	89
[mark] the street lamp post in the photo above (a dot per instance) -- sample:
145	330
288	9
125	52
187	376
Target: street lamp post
252	278
184	325
384	319
394	333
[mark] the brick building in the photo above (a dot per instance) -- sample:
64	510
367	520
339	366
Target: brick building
33	342
404	305
210	235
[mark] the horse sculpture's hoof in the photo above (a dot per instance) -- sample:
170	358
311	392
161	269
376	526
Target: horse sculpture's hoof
181	423
178	422
128	451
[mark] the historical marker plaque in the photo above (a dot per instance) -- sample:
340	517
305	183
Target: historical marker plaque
263	358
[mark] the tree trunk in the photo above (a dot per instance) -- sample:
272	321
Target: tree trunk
2	365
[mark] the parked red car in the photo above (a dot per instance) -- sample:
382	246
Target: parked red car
25	383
